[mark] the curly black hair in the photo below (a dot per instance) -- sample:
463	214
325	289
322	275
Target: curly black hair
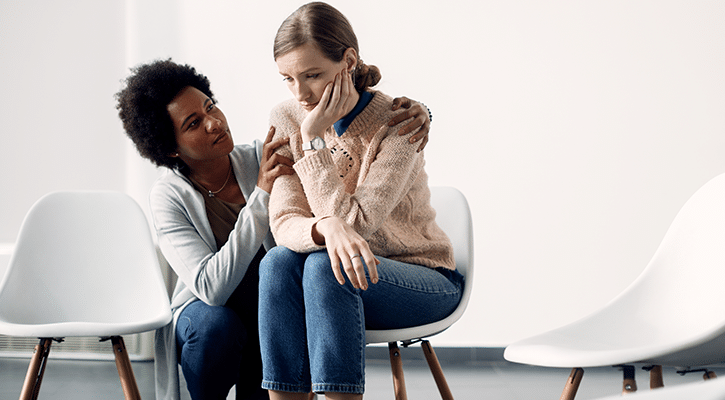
142	108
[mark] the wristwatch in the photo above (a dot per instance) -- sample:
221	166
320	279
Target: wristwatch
315	144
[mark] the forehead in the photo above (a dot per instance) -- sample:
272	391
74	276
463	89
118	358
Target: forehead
186	101
302	59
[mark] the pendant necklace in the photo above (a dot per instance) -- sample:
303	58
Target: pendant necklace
211	194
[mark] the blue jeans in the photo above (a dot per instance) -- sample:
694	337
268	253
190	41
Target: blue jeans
218	346
312	329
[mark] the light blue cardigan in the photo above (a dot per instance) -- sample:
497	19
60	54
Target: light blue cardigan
186	240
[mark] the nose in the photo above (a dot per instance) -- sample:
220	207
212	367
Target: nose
301	91
213	124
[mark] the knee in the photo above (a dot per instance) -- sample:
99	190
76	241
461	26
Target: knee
220	327
280	269
276	261
319	271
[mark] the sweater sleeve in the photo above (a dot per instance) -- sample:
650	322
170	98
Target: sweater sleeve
394	165
187	242
390	167
291	218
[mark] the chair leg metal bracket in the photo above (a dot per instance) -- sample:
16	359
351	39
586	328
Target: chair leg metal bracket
629	384
707	374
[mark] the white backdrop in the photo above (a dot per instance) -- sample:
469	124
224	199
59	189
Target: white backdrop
575	129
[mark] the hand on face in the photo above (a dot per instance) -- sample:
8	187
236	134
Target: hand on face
338	99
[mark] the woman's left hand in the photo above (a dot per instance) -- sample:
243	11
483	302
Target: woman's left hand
346	247
421	119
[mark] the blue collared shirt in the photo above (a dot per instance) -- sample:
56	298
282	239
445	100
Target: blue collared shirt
342	124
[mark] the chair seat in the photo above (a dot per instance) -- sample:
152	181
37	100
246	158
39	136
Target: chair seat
417	332
81	329
587	344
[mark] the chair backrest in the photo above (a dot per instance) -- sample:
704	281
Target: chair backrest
453	215
84	265
679	296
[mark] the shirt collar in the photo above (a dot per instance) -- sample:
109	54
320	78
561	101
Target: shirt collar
342	124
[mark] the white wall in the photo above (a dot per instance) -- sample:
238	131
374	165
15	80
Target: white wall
576	129
59	66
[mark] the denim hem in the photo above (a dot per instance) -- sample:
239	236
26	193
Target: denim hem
286	387
338	388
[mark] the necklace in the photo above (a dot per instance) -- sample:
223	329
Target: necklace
211	194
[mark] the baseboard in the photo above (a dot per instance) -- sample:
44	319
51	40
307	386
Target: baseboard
446	355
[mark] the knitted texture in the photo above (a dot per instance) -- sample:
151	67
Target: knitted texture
370	177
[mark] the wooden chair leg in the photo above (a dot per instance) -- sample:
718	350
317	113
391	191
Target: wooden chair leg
709	375
655	377
572	384
436	370
36	369
396	364
629	384
125	372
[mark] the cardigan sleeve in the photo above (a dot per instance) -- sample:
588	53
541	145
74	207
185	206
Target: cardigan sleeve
186	240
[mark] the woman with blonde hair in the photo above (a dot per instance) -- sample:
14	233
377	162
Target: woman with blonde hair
358	245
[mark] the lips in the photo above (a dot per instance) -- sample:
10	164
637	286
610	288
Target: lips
221	137
309	107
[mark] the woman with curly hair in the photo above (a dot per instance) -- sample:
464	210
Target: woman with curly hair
210	212
358	243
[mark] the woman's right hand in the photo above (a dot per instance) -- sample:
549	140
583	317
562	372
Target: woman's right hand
346	247
273	164
337	100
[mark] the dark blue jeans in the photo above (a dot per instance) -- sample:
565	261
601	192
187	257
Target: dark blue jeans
218	346
312	329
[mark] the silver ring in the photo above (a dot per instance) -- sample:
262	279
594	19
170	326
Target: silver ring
353	257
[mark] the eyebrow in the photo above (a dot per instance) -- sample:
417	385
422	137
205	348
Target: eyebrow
193	114
307	71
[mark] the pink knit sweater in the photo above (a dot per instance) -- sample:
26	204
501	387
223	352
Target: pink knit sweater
370	176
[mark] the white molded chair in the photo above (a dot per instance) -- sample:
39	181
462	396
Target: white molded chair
673	314
453	216
84	265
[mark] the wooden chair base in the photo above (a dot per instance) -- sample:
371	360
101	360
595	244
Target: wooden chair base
396	365
36	369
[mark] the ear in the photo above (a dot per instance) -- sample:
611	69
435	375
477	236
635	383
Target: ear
350	58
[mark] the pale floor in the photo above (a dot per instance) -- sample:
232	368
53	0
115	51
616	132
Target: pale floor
491	380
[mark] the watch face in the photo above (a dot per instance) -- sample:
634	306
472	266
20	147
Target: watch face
317	143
